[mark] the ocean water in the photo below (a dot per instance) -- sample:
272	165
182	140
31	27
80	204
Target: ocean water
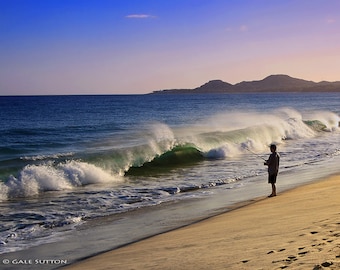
66	161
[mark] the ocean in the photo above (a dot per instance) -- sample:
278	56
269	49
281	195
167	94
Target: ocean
83	174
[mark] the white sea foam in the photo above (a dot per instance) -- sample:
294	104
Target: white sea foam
156	140
231	133
34	179
160	140
42	157
227	150
82	173
3	191
329	119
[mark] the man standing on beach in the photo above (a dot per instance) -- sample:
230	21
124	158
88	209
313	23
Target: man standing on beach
273	168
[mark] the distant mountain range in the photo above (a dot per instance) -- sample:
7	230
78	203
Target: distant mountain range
272	83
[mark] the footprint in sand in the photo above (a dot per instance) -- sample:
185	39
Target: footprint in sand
303	253
326	264
272	251
292	258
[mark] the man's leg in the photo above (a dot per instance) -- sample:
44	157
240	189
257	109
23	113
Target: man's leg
273	189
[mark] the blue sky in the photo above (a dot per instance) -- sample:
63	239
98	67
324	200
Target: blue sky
137	46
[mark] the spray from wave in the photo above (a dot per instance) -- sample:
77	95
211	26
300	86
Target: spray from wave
34	179
157	148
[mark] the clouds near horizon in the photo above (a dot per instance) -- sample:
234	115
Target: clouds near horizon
139	16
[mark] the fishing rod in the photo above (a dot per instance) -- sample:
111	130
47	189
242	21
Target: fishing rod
245	147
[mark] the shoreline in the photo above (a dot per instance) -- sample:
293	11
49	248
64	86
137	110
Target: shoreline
303	232
112	232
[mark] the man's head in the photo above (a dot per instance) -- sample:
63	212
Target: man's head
272	147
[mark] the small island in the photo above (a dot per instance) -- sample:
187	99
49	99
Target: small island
272	83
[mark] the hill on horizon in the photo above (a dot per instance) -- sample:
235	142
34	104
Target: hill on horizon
272	83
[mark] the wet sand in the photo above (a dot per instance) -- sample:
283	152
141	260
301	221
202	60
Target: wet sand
298	229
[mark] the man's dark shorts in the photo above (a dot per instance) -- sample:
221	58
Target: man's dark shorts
272	178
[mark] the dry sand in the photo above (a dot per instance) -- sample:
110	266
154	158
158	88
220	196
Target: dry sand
298	229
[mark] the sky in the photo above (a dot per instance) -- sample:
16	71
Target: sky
67	47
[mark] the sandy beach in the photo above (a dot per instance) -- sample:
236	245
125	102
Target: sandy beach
298	229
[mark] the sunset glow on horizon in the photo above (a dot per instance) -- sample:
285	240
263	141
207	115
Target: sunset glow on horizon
135	47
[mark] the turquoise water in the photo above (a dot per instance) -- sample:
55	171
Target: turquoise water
66	161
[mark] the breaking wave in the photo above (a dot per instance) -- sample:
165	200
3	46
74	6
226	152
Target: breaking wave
159	148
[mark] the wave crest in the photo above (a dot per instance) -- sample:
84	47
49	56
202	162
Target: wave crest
158	148
34	179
